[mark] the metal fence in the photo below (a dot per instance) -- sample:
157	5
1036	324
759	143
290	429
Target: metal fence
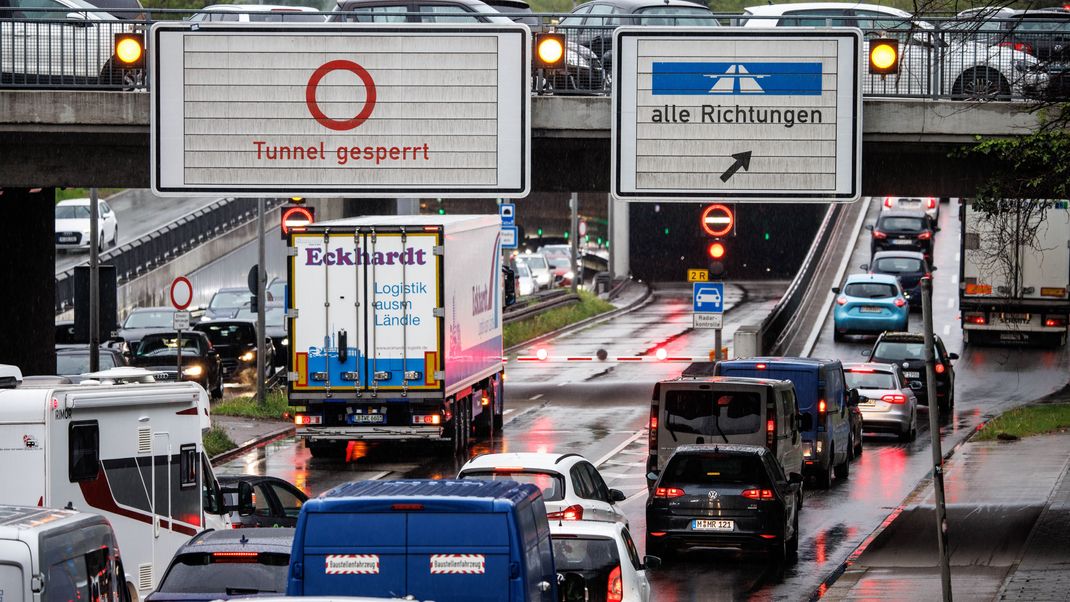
945	58
157	248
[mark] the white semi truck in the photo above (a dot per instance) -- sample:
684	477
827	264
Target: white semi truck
395	328
1015	272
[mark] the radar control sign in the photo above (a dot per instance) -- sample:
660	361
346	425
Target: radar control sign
735	113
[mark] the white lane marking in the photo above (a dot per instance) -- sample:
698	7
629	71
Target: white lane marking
562	384
509	411
947	330
536	397
379	475
639	493
617	449
951	302
622	475
954	279
958	256
819	324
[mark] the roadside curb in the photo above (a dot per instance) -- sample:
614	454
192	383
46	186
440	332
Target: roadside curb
640	302
280	433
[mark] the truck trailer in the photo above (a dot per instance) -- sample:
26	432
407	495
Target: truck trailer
1015	272
395	329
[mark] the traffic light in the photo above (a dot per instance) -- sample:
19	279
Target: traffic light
130	50
295	218
716	254
549	51
883	56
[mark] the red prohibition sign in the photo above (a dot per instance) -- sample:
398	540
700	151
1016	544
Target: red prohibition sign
176	287
721	216
340	125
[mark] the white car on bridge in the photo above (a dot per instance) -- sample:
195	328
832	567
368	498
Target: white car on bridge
968	70
72	225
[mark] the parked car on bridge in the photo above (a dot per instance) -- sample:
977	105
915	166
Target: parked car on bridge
869	304
72	224
967	69
885	400
258	13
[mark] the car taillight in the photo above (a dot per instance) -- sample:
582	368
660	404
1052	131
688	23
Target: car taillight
821	406
757	494
976	318
879	235
760	366
928	275
574	512
896	398
899	302
926	235
668	492
888	202
234	557
300	419
615	589
1055	322
841	300
1019	46
653	433
770	433
931	203
939	368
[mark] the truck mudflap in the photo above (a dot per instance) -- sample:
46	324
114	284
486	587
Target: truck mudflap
349	433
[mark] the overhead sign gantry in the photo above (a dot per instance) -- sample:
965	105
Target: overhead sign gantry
348	109
740	114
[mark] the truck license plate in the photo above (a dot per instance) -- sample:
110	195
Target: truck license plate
712	525
366	418
911	374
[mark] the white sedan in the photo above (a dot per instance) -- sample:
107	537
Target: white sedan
599	561
72	225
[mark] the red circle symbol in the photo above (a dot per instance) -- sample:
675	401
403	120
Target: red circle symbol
295	217
716	250
340	125
717	220
181	293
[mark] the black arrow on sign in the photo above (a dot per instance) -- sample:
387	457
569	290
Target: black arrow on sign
742	160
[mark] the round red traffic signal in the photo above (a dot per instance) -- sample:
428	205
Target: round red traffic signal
716	250
296	218
717	220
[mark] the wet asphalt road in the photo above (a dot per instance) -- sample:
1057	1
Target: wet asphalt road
601	409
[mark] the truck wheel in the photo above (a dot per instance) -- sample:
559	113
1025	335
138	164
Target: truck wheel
325	450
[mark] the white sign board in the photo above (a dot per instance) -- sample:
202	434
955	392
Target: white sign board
742	114
341	109
181	320
707	320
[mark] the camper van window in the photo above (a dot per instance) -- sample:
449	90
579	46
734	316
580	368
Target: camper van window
188	460
84	450
713	413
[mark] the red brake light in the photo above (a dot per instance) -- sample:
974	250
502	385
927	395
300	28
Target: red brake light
926	235
841	300
896	398
509	469
862	370
1052	322
760	366
407	507
821	406
879	235
668	492
899	302
233	557
888	202
757	494
932	203
770	426
574	512
1019	46
615	589
653	423
940	368
978	319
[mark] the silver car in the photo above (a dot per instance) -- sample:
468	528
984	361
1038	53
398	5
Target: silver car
885	400
540	270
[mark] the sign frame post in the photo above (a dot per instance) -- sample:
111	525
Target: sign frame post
181	317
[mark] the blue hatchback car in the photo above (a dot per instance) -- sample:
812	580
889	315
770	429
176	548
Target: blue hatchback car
870	304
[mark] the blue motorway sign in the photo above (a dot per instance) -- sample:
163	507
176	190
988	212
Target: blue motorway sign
712	79
708	297
507	211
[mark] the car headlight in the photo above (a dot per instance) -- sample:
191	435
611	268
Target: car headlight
569	275
248	356
192	371
286	342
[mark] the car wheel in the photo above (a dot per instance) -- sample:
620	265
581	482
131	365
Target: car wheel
843	469
836	335
824	478
858	446
217	390
793	543
851	447
778	552
981	83
906	435
656	548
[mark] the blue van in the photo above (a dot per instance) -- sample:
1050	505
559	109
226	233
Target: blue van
823	403
447	541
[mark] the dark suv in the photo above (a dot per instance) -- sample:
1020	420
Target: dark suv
717	496
902	230
907	350
217	565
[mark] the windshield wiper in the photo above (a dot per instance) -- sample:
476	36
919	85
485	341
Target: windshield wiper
717	423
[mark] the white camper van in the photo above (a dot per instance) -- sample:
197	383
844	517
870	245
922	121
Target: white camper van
48	555
132	453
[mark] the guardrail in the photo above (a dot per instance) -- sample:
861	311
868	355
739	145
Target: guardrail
947	58
548	300
155	249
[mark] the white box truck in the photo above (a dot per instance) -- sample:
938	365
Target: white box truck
1015	272
395	327
132	453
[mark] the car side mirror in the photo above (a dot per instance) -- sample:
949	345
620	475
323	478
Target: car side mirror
616	495
835	290
869	227
852	398
651	562
932	269
245	499
864	267
651	476
795	478
953	356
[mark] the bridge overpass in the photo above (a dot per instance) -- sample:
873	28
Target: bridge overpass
54	138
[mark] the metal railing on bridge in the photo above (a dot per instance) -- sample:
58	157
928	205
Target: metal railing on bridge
1000	58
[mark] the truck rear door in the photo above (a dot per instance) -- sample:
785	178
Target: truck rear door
458	556
1046	265
355	554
